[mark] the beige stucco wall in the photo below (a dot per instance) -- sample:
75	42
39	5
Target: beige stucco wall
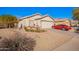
28	21
47	22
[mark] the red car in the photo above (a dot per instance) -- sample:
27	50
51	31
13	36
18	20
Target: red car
62	27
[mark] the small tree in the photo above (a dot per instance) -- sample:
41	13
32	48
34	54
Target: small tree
9	20
76	14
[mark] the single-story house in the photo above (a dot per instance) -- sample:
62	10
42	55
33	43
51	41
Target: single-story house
36	21
28	21
64	21
74	22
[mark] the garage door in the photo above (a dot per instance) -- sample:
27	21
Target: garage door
46	24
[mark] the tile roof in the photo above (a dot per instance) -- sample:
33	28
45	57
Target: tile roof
30	16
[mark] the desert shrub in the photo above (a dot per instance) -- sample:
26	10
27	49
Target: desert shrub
33	30
19	43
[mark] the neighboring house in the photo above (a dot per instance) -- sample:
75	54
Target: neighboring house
74	22
9	25
36	21
62	21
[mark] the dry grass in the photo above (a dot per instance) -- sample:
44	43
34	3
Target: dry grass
44	41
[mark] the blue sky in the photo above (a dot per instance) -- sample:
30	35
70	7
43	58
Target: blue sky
54	12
